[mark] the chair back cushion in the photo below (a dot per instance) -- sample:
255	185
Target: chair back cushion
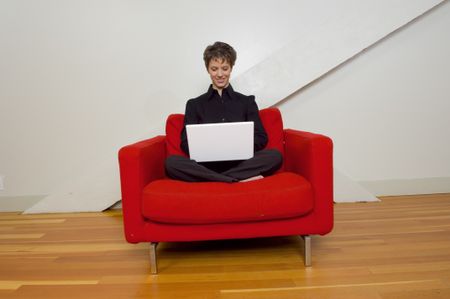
174	126
270	118
273	123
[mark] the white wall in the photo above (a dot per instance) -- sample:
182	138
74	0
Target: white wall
80	79
388	109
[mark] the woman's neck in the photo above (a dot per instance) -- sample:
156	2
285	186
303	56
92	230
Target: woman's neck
220	90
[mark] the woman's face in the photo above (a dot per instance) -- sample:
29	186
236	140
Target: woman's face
219	70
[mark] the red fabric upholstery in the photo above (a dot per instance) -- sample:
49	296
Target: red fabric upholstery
284	195
273	123
174	125
311	156
196	211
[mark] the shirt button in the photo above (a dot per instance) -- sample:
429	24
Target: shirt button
223	119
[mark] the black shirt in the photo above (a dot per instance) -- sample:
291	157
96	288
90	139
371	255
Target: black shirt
232	106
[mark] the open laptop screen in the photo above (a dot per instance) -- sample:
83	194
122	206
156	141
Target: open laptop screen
220	141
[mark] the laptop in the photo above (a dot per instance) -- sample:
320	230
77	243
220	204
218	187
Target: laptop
220	141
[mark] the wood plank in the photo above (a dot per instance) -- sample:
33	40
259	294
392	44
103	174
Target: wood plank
15	284
396	248
30	221
20	236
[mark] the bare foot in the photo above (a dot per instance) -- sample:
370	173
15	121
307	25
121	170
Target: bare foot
253	178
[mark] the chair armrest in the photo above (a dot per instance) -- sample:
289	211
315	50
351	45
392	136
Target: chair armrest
311	156
140	163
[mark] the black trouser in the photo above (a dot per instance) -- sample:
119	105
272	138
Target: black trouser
264	162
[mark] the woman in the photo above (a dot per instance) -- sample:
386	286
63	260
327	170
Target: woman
222	104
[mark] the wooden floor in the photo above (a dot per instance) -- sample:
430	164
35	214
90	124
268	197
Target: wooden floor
398	248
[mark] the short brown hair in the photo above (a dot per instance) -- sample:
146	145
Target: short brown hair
219	50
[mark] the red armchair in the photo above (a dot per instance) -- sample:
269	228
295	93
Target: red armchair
297	200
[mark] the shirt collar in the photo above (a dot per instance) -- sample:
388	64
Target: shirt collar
228	90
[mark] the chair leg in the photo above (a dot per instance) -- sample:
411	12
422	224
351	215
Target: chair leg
153	261
307	250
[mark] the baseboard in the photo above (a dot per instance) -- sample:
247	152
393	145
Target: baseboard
408	186
18	203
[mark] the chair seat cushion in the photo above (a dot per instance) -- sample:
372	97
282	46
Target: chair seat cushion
283	195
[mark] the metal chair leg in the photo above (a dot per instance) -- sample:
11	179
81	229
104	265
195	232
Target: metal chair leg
153	261
307	250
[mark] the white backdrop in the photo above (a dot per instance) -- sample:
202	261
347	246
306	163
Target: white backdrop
80	79
388	110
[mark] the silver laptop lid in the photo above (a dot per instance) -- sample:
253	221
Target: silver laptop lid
220	141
